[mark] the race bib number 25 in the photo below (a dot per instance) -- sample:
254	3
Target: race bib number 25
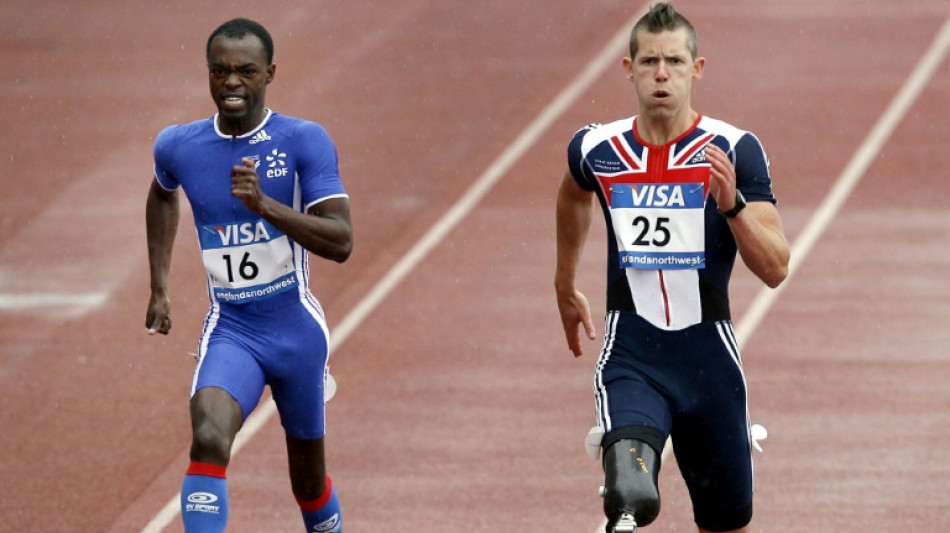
659	225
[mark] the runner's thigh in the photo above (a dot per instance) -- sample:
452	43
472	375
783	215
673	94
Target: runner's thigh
296	368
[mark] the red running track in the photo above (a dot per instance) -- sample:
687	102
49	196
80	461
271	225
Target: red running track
459	404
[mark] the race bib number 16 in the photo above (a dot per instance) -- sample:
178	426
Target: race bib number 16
247	260
659	225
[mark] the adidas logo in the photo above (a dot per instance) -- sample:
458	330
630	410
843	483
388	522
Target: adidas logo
260	137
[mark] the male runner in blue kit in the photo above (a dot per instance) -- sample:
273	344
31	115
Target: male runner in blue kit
681	194
264	191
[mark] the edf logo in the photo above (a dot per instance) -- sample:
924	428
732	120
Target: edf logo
276	168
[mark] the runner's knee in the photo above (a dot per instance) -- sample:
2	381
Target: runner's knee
215	420
210	444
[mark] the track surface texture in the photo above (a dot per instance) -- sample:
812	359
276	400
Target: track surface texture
459	406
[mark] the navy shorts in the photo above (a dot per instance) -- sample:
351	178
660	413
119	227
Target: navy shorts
283	342
687	384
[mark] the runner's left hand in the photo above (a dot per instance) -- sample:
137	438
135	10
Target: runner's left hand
246	185
722	177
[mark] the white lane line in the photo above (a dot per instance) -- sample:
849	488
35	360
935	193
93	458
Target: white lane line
850	176
607	56
32	300
841	190
69	258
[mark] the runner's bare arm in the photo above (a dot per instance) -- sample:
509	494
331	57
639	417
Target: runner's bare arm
325	230
761	241
161	225
757	229
574	206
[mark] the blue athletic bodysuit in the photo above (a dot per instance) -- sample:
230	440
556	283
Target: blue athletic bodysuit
264	325
670	364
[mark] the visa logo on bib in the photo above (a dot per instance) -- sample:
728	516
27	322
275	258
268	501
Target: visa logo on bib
237	234
658	195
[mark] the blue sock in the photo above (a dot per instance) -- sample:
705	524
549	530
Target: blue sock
323	514
204	499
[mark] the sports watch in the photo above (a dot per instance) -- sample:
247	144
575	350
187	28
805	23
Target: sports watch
740	205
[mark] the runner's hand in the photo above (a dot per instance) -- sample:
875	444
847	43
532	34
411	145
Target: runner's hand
722	177
158	318
246	185
575	312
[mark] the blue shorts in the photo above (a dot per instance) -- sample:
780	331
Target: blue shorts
282	342
650	384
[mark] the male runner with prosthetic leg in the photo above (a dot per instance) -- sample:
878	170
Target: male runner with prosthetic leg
681	194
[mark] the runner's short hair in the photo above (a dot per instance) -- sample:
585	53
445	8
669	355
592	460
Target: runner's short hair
238	28
662	17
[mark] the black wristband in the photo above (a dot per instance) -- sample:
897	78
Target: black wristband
740	205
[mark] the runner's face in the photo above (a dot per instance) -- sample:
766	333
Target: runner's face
663	73
238	75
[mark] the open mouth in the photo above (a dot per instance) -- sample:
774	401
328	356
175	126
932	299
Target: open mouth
232	102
